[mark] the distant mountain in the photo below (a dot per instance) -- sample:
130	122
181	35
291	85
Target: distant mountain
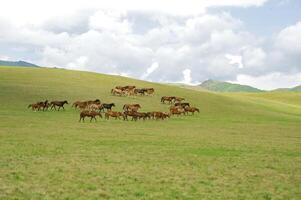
220	86
294	89
17	63
298	88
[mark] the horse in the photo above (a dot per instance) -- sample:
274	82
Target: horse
34	106
107	106
139	91
39	105
84	104
94	107
177	110
91	114
161	115
133	114
131	107
192	109
59	104
116	91
149	91
169	99
114	114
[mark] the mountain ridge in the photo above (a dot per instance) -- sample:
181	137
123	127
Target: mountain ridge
222	86
19	63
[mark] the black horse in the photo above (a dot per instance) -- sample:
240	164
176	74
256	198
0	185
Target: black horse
107	106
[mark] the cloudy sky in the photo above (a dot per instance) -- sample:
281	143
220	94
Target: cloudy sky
254	42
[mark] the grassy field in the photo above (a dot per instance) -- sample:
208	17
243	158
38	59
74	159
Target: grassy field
240	146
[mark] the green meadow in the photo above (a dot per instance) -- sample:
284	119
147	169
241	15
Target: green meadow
240	145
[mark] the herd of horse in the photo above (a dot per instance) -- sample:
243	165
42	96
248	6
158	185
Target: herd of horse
45	105
95	108
131	90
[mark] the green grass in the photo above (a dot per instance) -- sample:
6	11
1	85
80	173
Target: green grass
240	146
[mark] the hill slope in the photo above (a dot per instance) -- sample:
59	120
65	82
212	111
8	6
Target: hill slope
219	86
240	146
17	63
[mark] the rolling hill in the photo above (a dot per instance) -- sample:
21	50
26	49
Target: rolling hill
293	89
240	145
220	86
17	63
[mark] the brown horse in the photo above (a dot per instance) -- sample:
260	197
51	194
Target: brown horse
113	114
149	91
161	115
177	111
87	113
83	104
59	104
192	110
118	92
34	106
94	107
132	114
131	107
37	106
168	99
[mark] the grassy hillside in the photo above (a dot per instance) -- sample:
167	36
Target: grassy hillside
220	86
240	146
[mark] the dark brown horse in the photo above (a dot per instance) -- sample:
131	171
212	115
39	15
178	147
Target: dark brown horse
59	104
140	91
182	104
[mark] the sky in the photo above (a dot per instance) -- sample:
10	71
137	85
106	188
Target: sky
253	42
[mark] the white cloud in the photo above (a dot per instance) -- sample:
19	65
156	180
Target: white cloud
110	20
289	39
36	11
235	60
186	76
79	63
253	57
150	70
98	36
4	57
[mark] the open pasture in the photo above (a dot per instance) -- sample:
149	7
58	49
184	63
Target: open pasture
240	146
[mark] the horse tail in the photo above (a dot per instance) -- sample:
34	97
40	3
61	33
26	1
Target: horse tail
30	105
